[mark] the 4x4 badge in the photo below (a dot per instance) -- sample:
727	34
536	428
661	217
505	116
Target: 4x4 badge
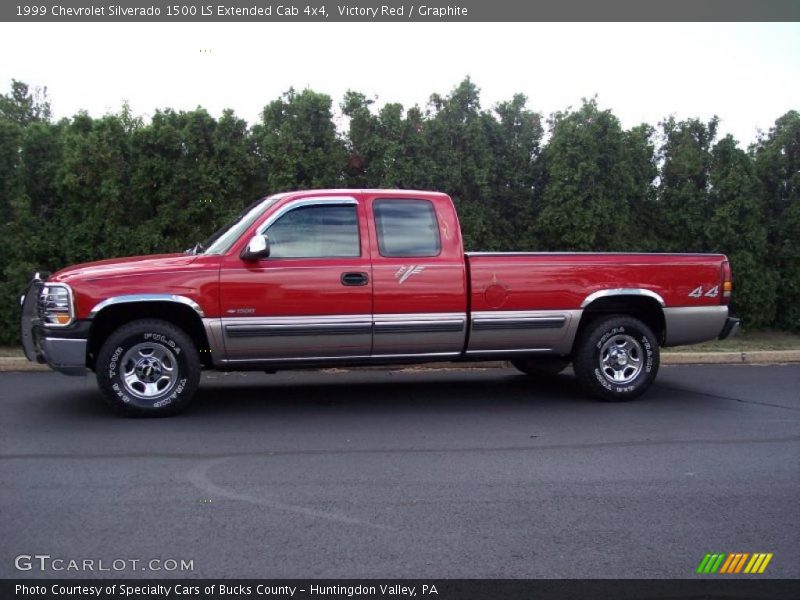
404	272
710	293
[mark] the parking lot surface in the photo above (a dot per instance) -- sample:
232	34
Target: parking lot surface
408	473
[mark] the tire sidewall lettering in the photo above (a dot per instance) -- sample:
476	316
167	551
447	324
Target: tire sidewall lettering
163	339
648	348
173	396
601	379
608	334
112	364
121	393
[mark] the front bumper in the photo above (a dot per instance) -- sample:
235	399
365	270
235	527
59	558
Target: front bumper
65	355
62	348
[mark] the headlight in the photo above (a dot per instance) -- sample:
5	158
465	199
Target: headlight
56	308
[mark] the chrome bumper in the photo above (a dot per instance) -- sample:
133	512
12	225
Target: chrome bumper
730	329
692	325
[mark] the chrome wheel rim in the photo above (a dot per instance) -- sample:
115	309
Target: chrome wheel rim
149	370
621	359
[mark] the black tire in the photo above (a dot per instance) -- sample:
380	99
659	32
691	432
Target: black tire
543	366
163	367
608	354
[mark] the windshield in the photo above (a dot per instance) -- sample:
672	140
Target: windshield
222	239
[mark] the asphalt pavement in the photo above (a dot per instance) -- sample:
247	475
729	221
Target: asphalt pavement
409	473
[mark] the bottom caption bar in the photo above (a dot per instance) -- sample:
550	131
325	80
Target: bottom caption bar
373	589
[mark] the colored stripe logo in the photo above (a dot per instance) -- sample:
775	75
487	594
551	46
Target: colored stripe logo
733	563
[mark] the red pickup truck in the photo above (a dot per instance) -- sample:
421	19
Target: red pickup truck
359	277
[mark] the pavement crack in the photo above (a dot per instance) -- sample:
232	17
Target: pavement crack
198	476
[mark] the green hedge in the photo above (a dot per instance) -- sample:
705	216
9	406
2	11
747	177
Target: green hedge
86	188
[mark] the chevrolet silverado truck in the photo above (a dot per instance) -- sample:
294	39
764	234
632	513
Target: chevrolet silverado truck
361	277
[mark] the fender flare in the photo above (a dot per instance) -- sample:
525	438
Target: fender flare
136	298
623	292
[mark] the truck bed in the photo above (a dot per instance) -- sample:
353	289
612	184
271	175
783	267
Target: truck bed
534	300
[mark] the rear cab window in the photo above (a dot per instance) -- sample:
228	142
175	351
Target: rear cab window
406	228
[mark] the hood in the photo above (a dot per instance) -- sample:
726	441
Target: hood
116	267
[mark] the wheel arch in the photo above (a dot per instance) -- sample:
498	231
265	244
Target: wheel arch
642	304
180	311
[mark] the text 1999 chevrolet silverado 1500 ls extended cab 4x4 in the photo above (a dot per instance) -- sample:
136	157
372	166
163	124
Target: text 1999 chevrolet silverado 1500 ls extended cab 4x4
359	277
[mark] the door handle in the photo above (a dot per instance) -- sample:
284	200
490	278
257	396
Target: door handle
355	279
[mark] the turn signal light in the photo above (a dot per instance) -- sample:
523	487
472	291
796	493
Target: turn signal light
727	282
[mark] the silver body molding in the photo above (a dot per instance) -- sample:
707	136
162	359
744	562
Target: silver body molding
273	338
693	324
146	298
547	331
427	333
216	341
319	339
341	360
325	337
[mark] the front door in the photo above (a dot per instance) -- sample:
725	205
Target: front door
312	297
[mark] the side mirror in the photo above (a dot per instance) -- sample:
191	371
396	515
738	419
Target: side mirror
257	248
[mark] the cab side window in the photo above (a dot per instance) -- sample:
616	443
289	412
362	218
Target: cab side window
407	228
323	231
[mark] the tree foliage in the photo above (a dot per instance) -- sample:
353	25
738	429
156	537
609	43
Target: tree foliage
777	162
85	188
684	183
735	226
591	185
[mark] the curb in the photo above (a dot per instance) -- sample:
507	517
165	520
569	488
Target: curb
756	357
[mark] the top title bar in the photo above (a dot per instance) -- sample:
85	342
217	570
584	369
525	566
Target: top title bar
399	10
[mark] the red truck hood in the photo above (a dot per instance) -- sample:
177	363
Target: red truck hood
130	265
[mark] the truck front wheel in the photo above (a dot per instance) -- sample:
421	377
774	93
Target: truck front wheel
617	358
148	367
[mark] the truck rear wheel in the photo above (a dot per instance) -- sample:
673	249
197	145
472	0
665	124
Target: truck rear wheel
148	367
617	358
